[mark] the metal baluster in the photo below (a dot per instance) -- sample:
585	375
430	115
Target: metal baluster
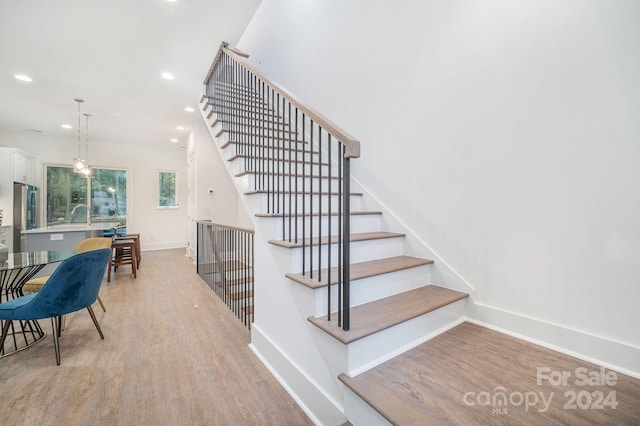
304	166
346	245
330	194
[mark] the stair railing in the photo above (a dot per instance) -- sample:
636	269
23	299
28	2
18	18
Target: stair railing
225	263
298	158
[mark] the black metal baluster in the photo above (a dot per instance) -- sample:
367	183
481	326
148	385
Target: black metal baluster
330	194
303	212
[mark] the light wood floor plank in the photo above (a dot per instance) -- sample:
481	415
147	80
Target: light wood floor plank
428	384
173	354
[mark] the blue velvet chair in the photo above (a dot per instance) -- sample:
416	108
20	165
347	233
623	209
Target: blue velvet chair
74	285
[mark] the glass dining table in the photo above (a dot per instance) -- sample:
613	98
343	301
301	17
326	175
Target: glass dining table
15	270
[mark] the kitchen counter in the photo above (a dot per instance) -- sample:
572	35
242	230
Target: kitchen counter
72	227
63	237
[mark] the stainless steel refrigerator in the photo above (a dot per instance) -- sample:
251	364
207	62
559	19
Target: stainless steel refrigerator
25	212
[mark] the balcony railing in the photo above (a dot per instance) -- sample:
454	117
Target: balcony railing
225	263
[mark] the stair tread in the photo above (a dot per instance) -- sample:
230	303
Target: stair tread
362	236
353	213
299	150
286	160
264	191
381	314
361	270
241	295
286	175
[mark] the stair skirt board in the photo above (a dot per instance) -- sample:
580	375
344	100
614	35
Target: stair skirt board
321	408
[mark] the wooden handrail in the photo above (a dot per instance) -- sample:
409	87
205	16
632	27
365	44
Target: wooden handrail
352	145
223	45
235	228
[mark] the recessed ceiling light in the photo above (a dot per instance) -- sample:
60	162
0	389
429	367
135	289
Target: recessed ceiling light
180	128
66	126
189	109
23	77
174	140
167	76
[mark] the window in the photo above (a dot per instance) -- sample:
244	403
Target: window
68	192
167	185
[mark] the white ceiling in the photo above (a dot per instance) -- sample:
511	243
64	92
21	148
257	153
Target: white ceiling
111	53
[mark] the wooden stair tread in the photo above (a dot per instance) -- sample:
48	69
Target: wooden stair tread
286	175
241	295
286	160
381	314
277	148
264	191
362	236
270	134
361	270
353	213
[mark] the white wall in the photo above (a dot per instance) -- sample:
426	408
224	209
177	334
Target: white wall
224	206
505	134
159	228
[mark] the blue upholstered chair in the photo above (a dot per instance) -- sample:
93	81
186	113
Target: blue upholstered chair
74	285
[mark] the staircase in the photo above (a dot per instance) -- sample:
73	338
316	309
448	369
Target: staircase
318	321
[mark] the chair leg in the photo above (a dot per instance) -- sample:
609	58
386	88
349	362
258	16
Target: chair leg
95	321
102	304
56	342
5	330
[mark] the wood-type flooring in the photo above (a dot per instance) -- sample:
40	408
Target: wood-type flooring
173	354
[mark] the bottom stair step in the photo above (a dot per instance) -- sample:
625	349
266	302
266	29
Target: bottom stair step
381	314
447	379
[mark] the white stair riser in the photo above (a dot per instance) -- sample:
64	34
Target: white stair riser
359	223
361	251
254	182
262	202
240	164
236	149
368	289
373	350
359	412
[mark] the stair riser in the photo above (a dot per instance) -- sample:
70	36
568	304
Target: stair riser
269	164
251	182
361	251
233	149
359	412
262	203
372	288
373	350
359	223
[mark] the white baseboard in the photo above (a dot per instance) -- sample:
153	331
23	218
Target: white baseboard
163	245
315	404
621	357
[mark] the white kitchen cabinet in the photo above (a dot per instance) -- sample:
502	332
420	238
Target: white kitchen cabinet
15	166
23	168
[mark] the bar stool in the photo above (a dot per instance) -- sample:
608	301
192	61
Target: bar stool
136	238
123	252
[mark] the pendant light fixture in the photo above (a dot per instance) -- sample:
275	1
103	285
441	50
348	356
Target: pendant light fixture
78	163
86	171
